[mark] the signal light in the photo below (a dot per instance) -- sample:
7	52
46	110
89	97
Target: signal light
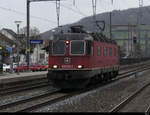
134	39
67	42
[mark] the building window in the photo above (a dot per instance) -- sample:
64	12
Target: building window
98	51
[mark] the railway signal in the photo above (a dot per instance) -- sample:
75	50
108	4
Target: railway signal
134	39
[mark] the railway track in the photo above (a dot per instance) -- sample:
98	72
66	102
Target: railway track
42	82
134	69
74	94
29	84
148	110
11	105
124	103
32	103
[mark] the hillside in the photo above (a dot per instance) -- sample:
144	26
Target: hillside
119	17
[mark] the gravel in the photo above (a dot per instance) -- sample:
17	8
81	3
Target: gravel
102	99
23	95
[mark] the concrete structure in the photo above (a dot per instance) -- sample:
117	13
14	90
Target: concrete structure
12	36
9	78
9	34
5	42
39	56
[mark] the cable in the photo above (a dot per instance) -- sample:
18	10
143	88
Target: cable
21	13
78	12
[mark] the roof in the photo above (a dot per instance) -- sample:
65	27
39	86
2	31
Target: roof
72	36
6	39
10	32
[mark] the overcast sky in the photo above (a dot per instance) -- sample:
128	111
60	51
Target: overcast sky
44	13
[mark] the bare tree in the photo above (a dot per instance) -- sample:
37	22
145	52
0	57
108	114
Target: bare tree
34	35
34	31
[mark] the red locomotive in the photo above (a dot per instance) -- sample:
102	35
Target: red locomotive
77	57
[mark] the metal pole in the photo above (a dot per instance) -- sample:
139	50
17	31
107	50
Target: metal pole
18	48
37	53
58	11
110	25
131	38
28	35
128	38
94	12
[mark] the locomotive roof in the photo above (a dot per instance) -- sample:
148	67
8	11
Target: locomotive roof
83	36
72	36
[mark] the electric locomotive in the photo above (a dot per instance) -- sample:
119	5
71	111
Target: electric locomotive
77	57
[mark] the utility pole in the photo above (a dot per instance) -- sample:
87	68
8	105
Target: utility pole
28	35
18	23
94	2
58	11
111	25
74	2
28	27
139	19
128	38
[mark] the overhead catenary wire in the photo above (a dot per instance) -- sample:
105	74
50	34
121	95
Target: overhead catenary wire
22	13
75	6
40	18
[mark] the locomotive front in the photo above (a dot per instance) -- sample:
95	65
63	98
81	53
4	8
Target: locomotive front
69	60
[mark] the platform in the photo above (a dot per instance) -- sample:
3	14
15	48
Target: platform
8	78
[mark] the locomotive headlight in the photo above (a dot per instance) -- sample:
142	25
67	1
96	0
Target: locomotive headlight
55	66
67	42
80	66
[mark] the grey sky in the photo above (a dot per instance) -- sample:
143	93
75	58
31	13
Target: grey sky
44	13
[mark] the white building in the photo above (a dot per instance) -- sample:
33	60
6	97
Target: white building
39	56
9	33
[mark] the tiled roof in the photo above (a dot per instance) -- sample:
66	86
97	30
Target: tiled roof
11	32
7	41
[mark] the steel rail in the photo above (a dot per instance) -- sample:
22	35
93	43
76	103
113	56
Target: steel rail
148	110
134	69
60	98
20	85
73	94
7	86
128	99
11	104
30	87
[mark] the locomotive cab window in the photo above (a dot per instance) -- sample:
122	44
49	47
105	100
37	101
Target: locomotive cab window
88	47
77	48
59	47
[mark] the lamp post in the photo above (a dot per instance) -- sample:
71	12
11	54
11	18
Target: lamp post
18	24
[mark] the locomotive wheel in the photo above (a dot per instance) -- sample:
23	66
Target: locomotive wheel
100	77
115	73
109	76
96	79
106	77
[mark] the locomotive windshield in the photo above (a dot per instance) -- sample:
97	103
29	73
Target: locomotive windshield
59	47
77	47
